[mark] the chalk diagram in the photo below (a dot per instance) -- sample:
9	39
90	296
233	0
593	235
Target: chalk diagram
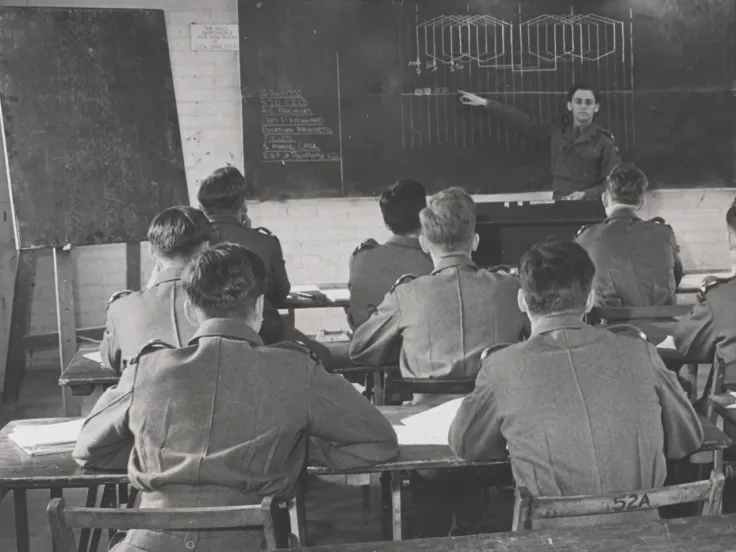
529	63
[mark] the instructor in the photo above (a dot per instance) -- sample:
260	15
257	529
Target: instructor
583	154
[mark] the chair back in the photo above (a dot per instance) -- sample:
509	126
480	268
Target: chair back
528	509
256	517
432	386
609	315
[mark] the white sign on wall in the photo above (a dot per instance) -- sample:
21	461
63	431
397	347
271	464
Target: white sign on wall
215	37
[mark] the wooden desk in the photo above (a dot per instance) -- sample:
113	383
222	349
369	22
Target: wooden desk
691	281
704	534
318	301
83	374
721	404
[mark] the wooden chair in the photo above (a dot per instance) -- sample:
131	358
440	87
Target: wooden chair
431	386
257	517
529	509
608	315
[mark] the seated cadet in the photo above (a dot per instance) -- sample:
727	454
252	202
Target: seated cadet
374	268
225	420
133	318
583	411
637	262
708	333
222	197
448	318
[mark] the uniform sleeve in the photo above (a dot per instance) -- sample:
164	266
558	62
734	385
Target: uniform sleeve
677	268
521	120
105	440
376	338
696	335
110	352
352	310
683	432
475	433
347	431
609	160
280	285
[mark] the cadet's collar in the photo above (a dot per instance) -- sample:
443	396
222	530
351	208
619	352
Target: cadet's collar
403	241
457	259
567	320
623	211
232	219
168	275
583	135
234	328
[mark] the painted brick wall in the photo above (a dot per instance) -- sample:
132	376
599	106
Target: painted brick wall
317	236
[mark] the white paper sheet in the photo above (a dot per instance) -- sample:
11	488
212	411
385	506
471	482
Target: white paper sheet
337	294
439	415
93	356
307	288
418	435
668	343
35	435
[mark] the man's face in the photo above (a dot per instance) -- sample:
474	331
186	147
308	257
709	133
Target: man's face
583	107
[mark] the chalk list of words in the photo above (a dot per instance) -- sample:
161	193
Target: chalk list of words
291	130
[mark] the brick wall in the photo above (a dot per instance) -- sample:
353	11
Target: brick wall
317	235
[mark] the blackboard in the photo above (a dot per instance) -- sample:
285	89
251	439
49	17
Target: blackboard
90	124
341	97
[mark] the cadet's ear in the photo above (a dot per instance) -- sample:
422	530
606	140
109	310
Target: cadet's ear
190	313
521	301
569	106
423	244
258	312
476	241
590	301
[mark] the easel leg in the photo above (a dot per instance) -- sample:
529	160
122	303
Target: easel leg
20	321
65	322
133	266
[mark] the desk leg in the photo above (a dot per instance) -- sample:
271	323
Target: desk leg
292	318
692	379
21	520
378	391
55	492
106	501
396	505
298	517
85	534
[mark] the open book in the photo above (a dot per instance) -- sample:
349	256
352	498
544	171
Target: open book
429	427
38	438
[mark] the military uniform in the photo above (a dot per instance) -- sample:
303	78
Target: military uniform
581	409
227	228
581	160
446	319
135	317
637	262
374	268
708	333
226	421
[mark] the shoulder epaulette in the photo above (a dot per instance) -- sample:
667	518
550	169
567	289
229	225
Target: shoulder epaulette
402	279
370	243
117	295
492	349
607	133
627	329
583	229
150	346
296	346
504	269
658	220
707	284
263	230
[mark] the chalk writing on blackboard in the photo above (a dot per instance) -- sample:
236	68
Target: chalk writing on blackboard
292	132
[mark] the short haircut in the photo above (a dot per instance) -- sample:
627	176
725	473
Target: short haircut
448	221
223	191
179	231
627	184
582	86
556	275
225	281
731	217
400	206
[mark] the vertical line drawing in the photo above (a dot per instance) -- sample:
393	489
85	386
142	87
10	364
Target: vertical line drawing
339	123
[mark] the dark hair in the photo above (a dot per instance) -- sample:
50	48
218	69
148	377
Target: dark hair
400	206
627	184
583	86
179	231
731	216
556	275
223	191
225	281
448	221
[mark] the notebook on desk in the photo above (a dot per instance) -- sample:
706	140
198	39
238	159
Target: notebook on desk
430	427
38	438
94	356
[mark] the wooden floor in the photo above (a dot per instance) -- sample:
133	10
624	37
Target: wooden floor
334	509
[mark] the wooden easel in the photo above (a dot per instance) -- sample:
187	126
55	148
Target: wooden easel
18	320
